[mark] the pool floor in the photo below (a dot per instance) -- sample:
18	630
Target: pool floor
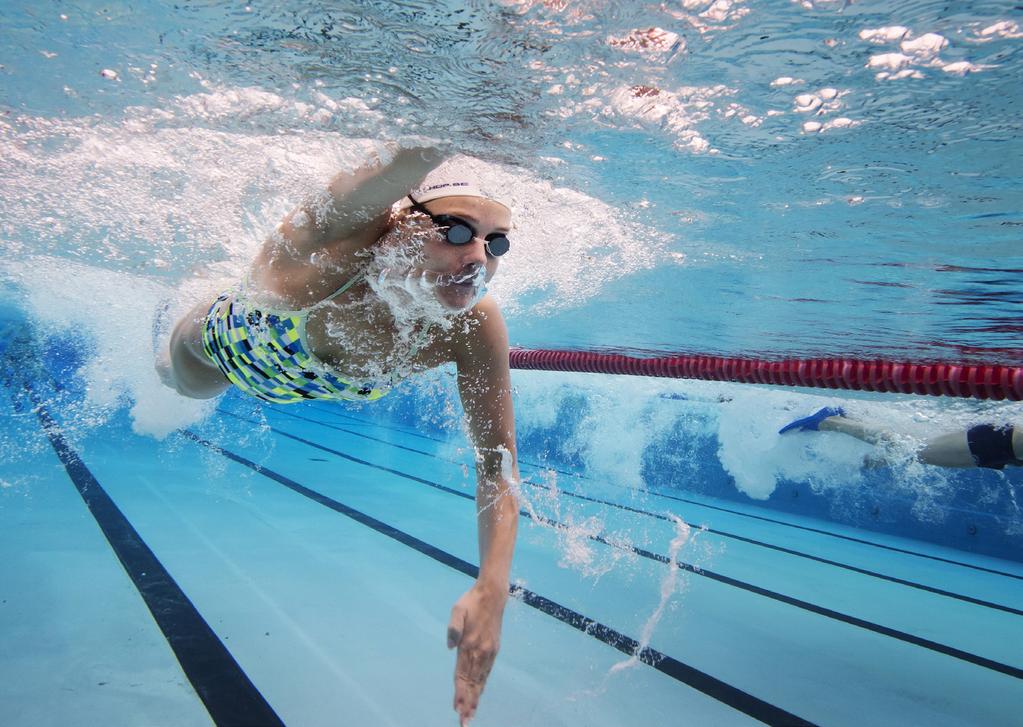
296	566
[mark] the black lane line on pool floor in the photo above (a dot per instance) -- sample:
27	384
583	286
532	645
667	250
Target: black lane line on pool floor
906	637
231	699
675	498
723	533
701	681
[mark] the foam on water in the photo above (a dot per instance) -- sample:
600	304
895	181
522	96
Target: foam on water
612	425
920	52
111	314
161	191
759	458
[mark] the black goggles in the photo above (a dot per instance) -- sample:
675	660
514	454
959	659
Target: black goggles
459	232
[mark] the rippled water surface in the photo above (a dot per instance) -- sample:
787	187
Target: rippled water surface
746	178
743	178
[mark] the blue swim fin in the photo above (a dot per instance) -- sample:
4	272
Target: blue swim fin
812	423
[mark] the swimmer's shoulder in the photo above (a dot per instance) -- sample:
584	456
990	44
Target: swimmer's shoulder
483	339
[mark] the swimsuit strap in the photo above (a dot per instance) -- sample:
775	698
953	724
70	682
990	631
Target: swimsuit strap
302	312
357	278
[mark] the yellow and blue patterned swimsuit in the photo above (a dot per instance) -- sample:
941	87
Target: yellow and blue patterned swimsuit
264	352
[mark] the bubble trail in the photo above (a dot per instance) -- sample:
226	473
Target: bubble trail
669	584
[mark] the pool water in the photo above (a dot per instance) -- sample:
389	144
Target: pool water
758	179
276	564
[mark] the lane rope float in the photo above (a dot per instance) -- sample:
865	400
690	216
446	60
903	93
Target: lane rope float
977	381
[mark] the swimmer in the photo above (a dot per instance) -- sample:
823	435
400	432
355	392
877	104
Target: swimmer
991	446
381	277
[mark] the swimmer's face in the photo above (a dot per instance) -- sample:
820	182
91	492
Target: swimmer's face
439	256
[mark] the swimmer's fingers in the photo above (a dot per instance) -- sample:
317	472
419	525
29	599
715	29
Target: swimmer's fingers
475	628
471	671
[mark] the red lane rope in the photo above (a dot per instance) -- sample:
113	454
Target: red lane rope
968	381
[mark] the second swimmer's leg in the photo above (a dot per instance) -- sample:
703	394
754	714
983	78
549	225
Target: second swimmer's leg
185	366
864	431
948	450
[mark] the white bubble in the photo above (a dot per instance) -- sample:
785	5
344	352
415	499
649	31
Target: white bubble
890	61
961	68
926	46
786	81
807	102
1001	29
887	34
840	123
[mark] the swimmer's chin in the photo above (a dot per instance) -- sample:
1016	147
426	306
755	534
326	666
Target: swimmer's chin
455	299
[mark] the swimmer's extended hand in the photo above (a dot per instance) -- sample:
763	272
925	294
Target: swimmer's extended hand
475	628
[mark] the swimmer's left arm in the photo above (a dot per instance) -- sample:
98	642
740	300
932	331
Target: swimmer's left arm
484	383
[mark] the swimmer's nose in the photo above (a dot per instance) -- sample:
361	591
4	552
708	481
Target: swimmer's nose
474	254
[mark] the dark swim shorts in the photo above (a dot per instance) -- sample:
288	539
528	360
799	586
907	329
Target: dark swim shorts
991	446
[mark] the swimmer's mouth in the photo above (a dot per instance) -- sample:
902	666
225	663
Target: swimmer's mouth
465	280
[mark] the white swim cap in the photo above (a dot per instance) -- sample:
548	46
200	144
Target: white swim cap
451	179
459	188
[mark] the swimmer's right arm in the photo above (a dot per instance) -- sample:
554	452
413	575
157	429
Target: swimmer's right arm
356	205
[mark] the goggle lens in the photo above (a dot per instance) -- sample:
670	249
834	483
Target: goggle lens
458	232
497	245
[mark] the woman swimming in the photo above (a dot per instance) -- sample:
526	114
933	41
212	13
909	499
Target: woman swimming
380	277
